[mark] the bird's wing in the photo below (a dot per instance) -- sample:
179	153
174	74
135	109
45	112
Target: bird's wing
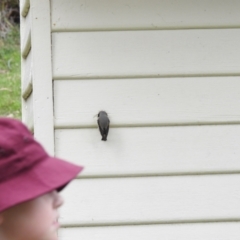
106	130
100	129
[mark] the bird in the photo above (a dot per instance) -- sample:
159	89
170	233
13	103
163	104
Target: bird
103	124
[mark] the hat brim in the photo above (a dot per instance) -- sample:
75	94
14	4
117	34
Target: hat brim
48	175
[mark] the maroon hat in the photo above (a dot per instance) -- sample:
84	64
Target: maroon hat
26	170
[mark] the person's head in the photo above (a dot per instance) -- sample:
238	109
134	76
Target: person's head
35	219
30	181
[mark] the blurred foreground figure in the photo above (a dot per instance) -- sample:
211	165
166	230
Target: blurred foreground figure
30	182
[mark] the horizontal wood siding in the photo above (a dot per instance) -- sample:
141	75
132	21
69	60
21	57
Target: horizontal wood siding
151	101
173	150
75	15
167	73
203	231
151	200
146	53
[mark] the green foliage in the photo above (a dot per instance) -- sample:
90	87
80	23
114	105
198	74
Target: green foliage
9	16
10	90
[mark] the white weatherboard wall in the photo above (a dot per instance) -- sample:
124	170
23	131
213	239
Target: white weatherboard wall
168	74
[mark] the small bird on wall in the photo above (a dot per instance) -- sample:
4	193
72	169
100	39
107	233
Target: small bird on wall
103	124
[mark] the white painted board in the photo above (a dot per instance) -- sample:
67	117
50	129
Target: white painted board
150	101
152	150
42	73
151	200
202	231
146	53
73	15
